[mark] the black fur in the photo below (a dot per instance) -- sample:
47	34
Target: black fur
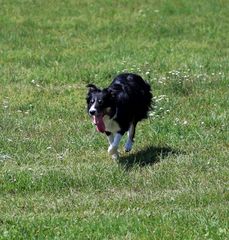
128	96
126	101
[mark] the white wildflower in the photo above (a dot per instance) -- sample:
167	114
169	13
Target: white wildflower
185	122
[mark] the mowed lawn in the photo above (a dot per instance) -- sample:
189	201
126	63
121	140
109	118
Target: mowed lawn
56	178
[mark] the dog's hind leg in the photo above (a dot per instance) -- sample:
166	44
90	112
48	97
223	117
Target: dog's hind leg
130	140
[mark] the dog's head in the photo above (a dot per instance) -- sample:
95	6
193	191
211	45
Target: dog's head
99	102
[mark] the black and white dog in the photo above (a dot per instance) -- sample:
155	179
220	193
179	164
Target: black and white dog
118	108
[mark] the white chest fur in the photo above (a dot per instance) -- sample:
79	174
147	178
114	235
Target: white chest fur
110	124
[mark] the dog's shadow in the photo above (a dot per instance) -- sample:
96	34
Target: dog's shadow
148	156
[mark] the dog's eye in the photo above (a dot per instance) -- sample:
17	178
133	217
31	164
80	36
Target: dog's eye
100	101
92	101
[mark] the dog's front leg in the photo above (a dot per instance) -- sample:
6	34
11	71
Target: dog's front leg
113	148
110	137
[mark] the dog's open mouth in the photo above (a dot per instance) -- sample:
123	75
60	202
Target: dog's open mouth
98	121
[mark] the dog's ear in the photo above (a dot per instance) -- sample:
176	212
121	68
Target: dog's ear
92	87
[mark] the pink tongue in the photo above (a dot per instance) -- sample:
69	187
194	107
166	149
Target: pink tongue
98	121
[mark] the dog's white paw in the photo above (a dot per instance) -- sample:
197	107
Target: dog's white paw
128	146
113	150
115	156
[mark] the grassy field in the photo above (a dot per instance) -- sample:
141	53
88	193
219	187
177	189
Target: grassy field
56	178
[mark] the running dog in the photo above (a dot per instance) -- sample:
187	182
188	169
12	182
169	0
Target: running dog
118	108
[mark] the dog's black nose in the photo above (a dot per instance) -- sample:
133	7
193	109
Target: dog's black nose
92	112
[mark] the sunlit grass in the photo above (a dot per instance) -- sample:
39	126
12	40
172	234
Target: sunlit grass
56	178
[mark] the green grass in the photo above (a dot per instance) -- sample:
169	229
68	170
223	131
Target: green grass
56	179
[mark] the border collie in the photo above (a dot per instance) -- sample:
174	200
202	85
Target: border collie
118	108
